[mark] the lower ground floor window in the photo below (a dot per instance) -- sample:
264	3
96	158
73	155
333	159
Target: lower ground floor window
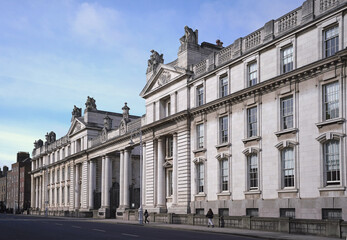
287	212
223	211
199	211
331	213
252	212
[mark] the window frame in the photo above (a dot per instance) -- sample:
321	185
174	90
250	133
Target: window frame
223	133
338	165
282	116
169	147
224	168
200	137
249	178
251	73
337	92
200	92
250	124
200	167
335	37
285	57
223	86
169	182
284	168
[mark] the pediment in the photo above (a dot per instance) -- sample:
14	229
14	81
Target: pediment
162	77
76	126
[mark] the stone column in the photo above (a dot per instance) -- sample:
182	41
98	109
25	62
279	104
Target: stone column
121	178
161	175
36	193
32	193
103	181
108	180
143	180
174	170
127	162
40	192
92	179
77	190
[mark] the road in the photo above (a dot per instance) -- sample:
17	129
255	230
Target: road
21	227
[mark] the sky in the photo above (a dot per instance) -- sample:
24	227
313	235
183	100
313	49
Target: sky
53	54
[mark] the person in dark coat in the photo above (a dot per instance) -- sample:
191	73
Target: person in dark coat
209	215
146	216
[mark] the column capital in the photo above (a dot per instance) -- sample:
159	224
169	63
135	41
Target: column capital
174	134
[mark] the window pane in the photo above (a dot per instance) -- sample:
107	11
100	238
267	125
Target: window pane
287	113
201	173
288	167
223	129
332	162
252	74
200	95
253	171
223	86
331	93
252	121
287	59
200	135
224	170
331	41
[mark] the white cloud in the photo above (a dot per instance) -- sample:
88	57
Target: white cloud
95	24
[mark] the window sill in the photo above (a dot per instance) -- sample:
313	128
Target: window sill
200	195
199	150
224	193
288	190
223	145
255	138
289	130
251	192
332	188
330	121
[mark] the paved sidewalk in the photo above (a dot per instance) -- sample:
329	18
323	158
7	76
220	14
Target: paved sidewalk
232	231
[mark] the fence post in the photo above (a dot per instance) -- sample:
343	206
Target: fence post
333	228
246	222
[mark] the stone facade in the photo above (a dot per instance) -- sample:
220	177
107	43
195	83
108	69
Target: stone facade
255	128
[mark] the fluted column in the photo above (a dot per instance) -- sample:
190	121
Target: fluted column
108	180
92	179
40	192
36	193
32	193
161	175
143	180
121	178
174	170
77	186
127	162
103	181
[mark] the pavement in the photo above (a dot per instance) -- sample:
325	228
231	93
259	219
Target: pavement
232	231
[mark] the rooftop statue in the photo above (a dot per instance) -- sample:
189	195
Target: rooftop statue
154	61
76	112
90	104
189	36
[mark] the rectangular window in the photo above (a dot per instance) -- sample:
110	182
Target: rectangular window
252	74
287	59
200	96
199	211
287	113
169	183
200	135
331	93
252	212
58	196
287	212
223	86
169	147
201	174
253	171
168	108
49	178
58	175
223	129
223	212
332	213
332	162
252	121
287	167
53	173
63	174
331	41
68	172
224	174
68	194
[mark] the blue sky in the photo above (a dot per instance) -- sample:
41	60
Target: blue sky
53	54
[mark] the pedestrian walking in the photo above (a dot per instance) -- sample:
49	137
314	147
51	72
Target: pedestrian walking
209	215
146	216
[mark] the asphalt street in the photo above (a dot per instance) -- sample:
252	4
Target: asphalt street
21	227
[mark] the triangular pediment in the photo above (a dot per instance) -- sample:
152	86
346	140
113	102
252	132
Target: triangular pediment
76	126
164	75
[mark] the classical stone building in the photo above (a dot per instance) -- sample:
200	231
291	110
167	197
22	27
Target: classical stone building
255	128
93	169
